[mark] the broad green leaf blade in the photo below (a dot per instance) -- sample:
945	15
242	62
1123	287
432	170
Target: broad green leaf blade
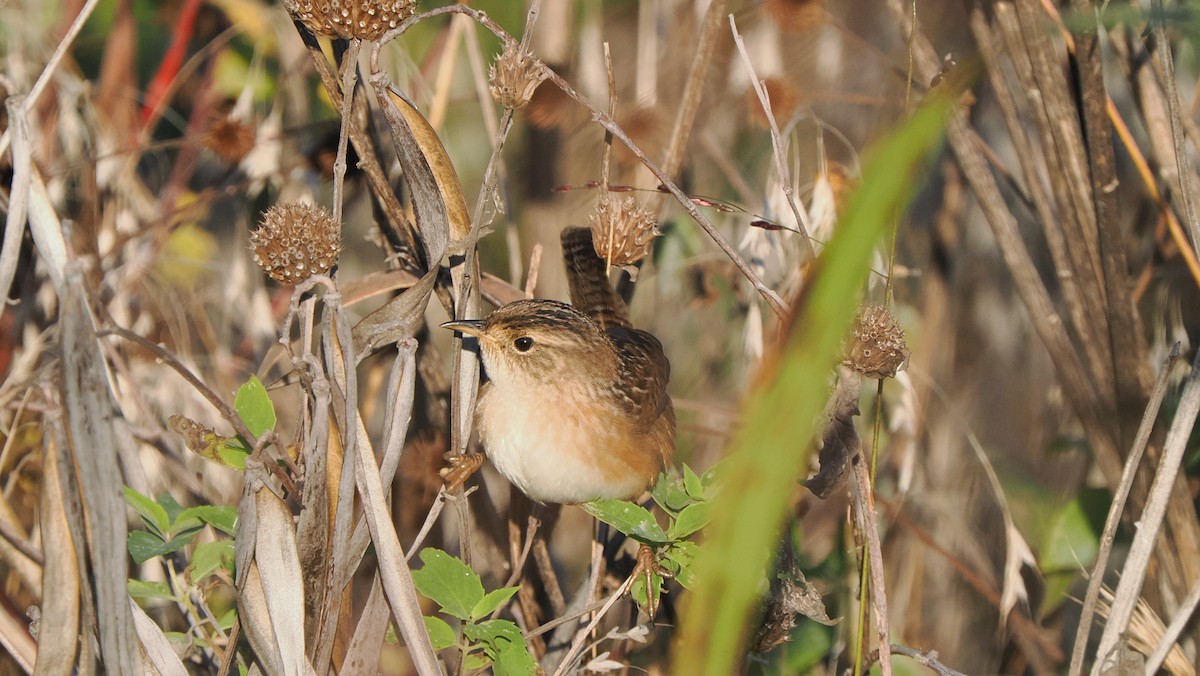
691	519
223	518
144	546
692	483
149	590
254	407
172	508
491	601
630	519
669	494
448	582
503	643
232	453
152	513
208	557
440	633
769	452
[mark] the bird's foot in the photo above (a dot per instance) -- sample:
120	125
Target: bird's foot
647	568
459	468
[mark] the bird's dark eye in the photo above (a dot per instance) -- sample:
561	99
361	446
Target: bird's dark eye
523	344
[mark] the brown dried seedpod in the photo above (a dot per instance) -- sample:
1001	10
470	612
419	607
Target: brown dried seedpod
514	76
349	19
229	139
877	348
794	16
296	241
632	229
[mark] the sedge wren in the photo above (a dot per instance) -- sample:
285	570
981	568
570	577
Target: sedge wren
576	406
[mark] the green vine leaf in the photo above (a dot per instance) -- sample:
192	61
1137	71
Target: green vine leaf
254	407
630	519
440	633
449	582
491	601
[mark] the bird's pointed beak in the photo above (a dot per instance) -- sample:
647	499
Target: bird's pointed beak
471	327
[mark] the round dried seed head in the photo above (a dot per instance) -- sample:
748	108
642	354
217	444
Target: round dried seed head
631	228
229	139
795	16
349	19
877	348
296	241
514	76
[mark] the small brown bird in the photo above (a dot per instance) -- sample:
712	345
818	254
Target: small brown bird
576	408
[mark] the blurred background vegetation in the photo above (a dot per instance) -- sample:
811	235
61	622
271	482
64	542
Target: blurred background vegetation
171	126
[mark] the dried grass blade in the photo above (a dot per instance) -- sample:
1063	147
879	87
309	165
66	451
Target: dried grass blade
1108	535
16	640
89	409
282	582
60	575
1165	476
255	618
362	657
18	195
157	653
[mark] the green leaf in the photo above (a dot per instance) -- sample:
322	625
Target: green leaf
638	590
630	519
693	485
149	590
691	519
492	601
475	662
232	452
226	621
448	582
669	494
503	643
209	556
222	518
171	507
440	633
1070	542
254	407
153	514
144	546
679	559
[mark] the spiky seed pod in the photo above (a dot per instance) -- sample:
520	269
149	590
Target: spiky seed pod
229	139
349	19
295	241
632	228
795	16
877	348
514	76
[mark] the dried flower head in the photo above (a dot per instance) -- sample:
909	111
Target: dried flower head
783	96
349	19
295	241
514	76
631	227
230	139
795	16
877	348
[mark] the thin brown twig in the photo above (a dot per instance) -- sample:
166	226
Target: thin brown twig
1181	619
580	641
927	658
